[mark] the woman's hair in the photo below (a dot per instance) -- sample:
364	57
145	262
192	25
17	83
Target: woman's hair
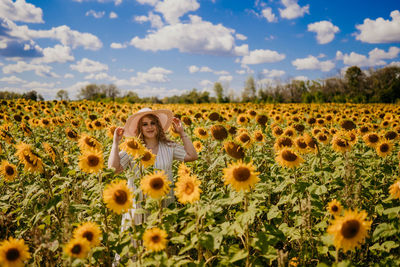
160	132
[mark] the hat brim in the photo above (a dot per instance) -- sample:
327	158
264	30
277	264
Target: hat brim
164	115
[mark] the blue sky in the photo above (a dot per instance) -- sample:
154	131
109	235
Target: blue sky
166	47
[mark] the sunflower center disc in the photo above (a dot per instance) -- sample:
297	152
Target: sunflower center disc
76	249
301	144
88	235
341	143
373	138
241	174
202	132
90	142
157	183
286	142
93	161
12	254
289	156
384	148
350	228
29	160
132	145
189	188
155	238
120	197
244	138
71	134
146	157
9	170
335	208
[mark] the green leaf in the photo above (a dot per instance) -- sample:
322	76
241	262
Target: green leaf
274	212
237	253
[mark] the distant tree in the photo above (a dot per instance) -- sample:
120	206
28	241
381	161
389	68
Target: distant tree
112	91
90	92
219	92
355	79
32	95
386	84
249	90
62	95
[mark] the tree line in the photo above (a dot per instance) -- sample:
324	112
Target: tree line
357	86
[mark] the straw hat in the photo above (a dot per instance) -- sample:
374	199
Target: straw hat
164	115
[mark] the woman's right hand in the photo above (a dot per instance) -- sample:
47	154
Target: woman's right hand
118	133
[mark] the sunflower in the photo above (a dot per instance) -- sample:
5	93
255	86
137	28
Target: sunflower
13	252
117	196
242	119
334	207
89	230
391	135
234	150
110	131
87	142
258	136
198	146
347	125
219	132
394	190
155	185
261	119
8	171
77	247
183	169
25	128
277	131
148	159
155	239
133	147
350	230
282	142
201	133
286	157
91	161
290	132
240	176
214	116
301	145
323	138
187	189
51	152
340	144
371	139
384	148
244	139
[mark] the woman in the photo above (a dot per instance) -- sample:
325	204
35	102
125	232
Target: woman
150	126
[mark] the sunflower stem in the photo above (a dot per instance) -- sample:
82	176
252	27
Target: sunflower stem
246	203
199	248
160	211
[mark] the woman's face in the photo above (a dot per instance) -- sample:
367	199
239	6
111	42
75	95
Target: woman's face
149	127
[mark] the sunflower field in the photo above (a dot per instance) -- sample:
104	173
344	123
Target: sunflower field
274	185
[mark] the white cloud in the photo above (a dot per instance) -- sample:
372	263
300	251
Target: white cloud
118	45
148	2
292	9
300	78
172	10
221	72
96	15
206	83
12	80
58	53
36	84
113	15
117	2
68	76
155	20
380	30
153	75
267	13
312	63
259	56
375	57
100	76
87	65
193	69
273	73
64	34
21	66
242	50
241	72
225	78
240	37
325	31
20	11
394	64
198	36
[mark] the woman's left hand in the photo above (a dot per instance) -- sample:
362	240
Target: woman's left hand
177	125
